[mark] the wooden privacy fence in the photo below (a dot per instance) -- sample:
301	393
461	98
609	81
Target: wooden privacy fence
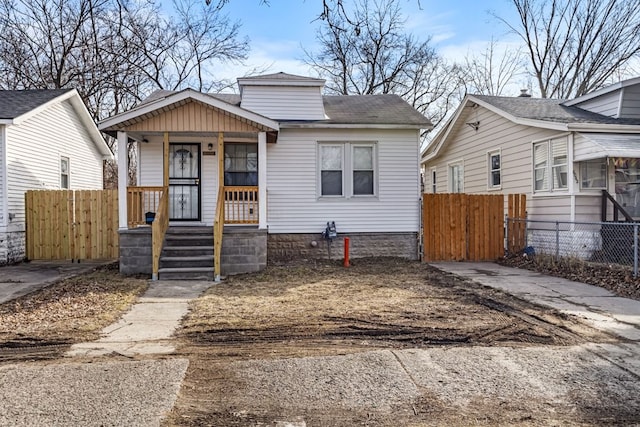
465	227
68	224
517	223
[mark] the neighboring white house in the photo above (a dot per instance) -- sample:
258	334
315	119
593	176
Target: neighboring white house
294	158
48	140
561	153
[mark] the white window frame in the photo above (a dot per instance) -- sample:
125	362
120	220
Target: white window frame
549	167
606	169
491	170
450	168
353	146
320	170
68	172
434	184
348	168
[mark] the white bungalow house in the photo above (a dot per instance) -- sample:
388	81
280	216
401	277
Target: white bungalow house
272	166
48	140
576	160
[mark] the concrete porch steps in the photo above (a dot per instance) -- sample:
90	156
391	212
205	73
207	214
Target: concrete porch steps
187	254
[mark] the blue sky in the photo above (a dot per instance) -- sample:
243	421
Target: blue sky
279	31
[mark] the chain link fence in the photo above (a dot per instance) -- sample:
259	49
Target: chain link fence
603	242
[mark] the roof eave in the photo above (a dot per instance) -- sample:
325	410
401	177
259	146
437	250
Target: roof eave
34	111
316	125
111	124
599	127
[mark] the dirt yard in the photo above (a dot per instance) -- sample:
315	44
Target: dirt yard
44	324
308	312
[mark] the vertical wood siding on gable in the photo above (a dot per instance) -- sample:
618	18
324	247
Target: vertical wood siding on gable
287	103
34	148
514	142
193	117
294	206
607	104
631	102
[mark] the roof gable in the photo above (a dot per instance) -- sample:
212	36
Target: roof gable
16	106
171	100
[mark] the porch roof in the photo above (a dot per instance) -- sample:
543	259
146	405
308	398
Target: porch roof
163	102
598	145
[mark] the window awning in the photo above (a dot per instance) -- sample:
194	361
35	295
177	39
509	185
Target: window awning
588	146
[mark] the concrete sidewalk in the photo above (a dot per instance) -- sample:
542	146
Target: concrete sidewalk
21	279
597	306
149	325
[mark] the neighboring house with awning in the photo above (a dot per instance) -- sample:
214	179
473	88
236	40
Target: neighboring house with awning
227	181
567	156
48	140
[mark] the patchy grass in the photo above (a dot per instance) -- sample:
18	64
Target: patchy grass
377	303
69	311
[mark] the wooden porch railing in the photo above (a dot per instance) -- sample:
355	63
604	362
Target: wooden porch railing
218	230
141	200
158	230
240	205
617	208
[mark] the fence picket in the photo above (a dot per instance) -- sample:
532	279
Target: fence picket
459	227
67	224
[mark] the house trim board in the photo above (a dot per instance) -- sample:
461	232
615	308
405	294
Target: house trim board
123	166
83	114
603	91
182	96
567	127
4	195
262	181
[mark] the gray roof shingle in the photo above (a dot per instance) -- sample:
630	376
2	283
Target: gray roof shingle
14	103
345	109
551	110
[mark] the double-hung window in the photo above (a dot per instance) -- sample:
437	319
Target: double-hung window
347	169
550	165
240	164
495	170
456	178
64	172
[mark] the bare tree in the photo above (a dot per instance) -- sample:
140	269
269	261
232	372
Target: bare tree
366	51
114	52
576	46
491	71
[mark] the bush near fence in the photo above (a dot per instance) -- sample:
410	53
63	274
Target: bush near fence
603	242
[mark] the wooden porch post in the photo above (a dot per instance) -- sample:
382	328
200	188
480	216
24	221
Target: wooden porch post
165	175
123	175
262	180
220	161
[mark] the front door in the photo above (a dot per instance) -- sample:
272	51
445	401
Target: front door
184	182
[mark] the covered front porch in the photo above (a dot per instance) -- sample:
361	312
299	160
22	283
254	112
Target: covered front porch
200	163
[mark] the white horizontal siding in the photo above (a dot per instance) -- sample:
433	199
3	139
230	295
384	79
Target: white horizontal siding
3	177
293	204
150	163
630	108
284	103
472	147
589	207
34	148
549	208
607	104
